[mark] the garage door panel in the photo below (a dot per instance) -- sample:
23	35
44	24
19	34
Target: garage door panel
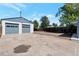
11	28
25	28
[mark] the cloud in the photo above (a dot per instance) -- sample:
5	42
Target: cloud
37	17
50	16
21	5
4	16
53	19
17	7
12	6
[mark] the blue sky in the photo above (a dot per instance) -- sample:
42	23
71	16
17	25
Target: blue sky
31	11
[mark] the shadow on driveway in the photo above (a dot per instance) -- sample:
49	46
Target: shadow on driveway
21	48
57	35
66	35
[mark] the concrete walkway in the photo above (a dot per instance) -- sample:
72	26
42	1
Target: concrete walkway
41	44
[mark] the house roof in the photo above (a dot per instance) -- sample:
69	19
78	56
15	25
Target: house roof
18	19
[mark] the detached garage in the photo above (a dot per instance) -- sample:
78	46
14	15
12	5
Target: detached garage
17	25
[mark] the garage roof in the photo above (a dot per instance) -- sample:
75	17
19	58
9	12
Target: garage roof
18	19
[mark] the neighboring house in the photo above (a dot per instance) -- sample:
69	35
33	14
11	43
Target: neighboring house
75	36
50	26
16	25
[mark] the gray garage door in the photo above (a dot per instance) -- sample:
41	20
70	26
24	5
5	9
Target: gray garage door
25	28
11	28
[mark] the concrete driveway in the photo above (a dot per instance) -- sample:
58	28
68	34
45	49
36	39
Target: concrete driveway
38	44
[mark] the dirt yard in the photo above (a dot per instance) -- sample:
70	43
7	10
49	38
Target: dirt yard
38	44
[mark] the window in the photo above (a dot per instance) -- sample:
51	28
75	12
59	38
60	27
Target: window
25	26
11	25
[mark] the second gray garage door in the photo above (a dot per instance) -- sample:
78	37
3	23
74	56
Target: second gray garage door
25	28
11	28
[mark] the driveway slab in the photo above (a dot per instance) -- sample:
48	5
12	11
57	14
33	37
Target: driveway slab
42	44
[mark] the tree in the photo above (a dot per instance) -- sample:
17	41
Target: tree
44	22
36	25
54	24
68	13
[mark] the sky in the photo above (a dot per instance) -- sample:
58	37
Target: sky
31	11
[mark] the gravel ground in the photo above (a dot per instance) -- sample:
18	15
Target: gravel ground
38	44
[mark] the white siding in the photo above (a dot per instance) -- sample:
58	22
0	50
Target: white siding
78	29
20	28
31	28
0	29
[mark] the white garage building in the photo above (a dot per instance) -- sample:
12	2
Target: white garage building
16	25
